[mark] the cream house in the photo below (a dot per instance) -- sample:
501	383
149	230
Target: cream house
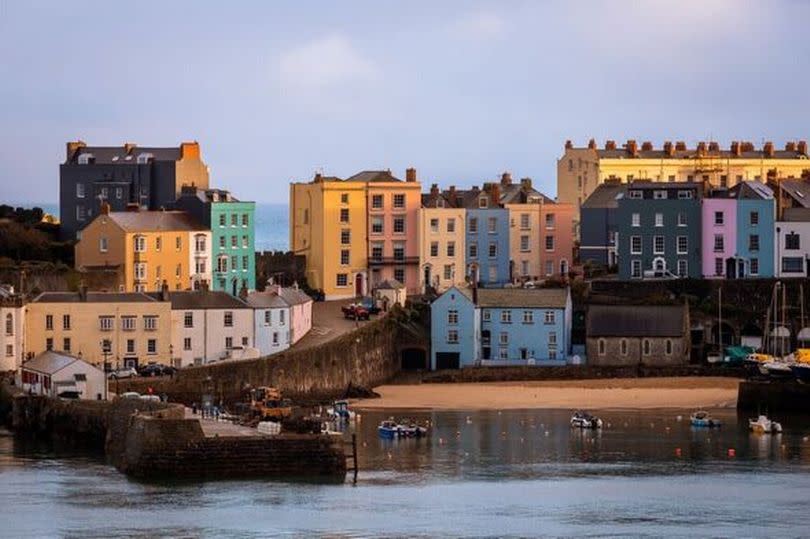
12	332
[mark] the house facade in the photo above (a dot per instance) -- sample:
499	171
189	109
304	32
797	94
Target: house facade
660	230
719	237
792	239
455	329
121	176
52	373
147	249
598	227
12	335
271	322
487	237
441	241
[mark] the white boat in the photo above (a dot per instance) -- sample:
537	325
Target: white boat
584	420
778	368
763	425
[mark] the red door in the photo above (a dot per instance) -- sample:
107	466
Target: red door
358	285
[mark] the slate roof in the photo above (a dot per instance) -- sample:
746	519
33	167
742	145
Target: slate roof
752	190
294	296
798	190
796	215
390	284
266	300
108	154
635	321
555	298
202	299
606	195
50	362
517	193
151	221
372	176
93	297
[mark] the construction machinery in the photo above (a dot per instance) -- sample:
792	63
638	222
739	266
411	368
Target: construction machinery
267	404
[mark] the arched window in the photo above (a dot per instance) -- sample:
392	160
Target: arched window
9	324
602	347
669	347
623	346
646	347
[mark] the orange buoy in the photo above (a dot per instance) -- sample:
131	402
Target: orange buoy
732	452
677	451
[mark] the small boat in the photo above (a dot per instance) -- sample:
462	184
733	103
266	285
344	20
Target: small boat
703	419
389	429
779	369
763	425
412	430
340	411
584	420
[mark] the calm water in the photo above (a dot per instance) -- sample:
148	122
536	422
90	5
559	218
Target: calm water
517	473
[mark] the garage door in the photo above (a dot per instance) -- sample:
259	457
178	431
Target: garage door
447	360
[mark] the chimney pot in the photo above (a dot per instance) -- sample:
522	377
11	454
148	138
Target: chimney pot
128	147
714	147
767	149
801	147
410	174
592	144
318	177
105	208
526	183
701	147
669	150
646	146
506	179
164	291
680	146
610	144
790	146
632	148
736	148
82	292
569	145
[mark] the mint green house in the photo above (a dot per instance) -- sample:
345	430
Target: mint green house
232	224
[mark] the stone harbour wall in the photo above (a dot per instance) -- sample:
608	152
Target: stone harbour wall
770	397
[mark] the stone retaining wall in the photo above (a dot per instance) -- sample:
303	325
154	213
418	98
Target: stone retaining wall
774	397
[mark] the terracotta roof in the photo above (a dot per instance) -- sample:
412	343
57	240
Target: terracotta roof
555	298
149	221
93	297
635	321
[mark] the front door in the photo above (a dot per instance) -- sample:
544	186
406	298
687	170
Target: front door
358	284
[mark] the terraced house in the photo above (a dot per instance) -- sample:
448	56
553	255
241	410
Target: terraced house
147	249
442	240
487	237
232	225
12	335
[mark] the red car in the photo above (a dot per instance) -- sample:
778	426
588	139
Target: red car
355	312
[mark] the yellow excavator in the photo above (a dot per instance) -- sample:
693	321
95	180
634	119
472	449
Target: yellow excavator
267	404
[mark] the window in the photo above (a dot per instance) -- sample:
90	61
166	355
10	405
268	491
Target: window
646	347
493	273
234	219
549	317
623	347
344	215
683	245
493	249
222	264
486	315
792	264
528	317
49	322
719	218
506	316
452	317
659	219
636	194
524	244
245	263
188	319
524	221
434	225
451	225
345	236
753	218
140	244
376	250
602	347
399	201
66	344
399	224
503	338
10	350
718	266
341	279
448	272
199	243
503	353
178	271
685	195
492	225
668	346
452	336
79	190
222	218
524	267
65	322
9	324
723	180
105	323
234	242
635	245
187	343
434	248
549	243
658	245
178	243
482	202
245	341
472	226
49	343
552	339
550	221
102	245
158	243
451	248
245	219
275	338
222	240
344	257
399	274
151	346
281	317
792	241
681	219
130	346
377	202
753	242
754	266
719	243
268	317
399	251
635	269
635	219
683	268
473	249
549	267
377	225
106	346
228	319
150	322
128	323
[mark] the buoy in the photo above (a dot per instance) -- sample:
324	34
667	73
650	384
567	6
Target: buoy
677	451
679	417
546	433
732	452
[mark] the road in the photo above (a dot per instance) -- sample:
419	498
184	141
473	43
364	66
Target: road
327	324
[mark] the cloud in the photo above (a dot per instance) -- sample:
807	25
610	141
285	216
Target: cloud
480	25
324	64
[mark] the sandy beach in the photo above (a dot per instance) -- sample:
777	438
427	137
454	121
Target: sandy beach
620	393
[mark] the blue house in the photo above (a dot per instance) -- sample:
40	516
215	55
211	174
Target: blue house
755	238
487	258
501	326
598	224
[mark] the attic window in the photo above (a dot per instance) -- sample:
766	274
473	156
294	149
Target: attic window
115	158
799	193
128	158
86	159
482	202
144	158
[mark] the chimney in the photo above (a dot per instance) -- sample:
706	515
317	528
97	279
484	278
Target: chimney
506	179
410	174
318	178
128	147
610	144
747	146
434	190
646	146
714	147
190	150
569	145
669	149
790	146
592	144
801	147
680	146
105	208
701	148
82	292
272	288
526	183
452	196
767	149
736	148
164	291
632	148
495	194
73	147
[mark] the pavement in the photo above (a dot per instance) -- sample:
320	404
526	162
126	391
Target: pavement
328	323
211	427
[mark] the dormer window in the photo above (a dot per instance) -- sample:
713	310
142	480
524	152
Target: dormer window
482	202
636	194
659	195
685	195
87	159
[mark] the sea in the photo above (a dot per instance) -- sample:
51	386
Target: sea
516	473
272	224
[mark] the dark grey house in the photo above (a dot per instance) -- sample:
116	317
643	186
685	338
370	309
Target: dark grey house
660	230
123	175
598	224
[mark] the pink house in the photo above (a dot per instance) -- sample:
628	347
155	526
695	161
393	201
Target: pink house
719	235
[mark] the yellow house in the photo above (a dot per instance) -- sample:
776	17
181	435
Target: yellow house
123	329
442	245
147	248
580	170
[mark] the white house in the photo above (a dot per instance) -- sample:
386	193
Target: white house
54	373
389	293
271	322
209	326
792	249
300	310
12	331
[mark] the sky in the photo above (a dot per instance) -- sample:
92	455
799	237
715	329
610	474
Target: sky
462	91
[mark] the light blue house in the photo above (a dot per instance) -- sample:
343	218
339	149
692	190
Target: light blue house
272	316
755	238
487	258
506	326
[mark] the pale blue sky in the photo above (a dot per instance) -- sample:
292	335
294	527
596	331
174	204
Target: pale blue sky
460	90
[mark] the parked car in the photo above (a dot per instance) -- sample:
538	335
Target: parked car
123	372
168	371
369	304
355	311
72	395
151	369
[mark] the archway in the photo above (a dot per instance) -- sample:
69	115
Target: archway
413	359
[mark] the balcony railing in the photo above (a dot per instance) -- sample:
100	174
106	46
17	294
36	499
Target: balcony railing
392	260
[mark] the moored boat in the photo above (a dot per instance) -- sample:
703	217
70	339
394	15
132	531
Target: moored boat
340	411
702	418
584	420
763	425
801	371
389	429
779	369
